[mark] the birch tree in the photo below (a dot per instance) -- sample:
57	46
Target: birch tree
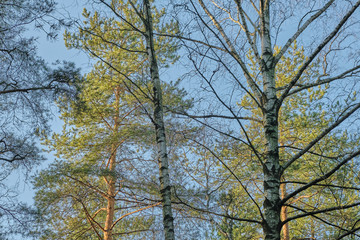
158	119
226	31
299	125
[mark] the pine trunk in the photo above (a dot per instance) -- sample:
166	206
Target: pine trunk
111	179
285	228
110	210
159	128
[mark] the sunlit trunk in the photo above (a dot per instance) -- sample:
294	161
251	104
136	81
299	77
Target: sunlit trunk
111	179
110	209
283	213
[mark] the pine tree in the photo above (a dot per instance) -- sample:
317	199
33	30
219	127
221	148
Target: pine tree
107	144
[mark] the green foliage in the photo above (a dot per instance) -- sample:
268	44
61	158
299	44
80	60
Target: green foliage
107	138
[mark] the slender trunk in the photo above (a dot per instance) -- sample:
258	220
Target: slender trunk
168	220
283	214
271	168
312	229
110	209
111	179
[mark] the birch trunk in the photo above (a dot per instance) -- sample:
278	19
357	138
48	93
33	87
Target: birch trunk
159	128
271	168
272	174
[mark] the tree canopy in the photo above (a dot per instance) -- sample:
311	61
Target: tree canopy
197	120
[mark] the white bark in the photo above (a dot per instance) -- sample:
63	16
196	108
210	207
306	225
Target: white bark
159	128
271	168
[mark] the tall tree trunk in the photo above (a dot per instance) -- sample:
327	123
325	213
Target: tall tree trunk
271	168
272	174
111	179
283	213
110	209
168	220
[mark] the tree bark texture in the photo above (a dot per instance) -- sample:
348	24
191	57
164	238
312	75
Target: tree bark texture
271	167
165	186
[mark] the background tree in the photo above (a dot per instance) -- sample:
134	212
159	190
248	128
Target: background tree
26	85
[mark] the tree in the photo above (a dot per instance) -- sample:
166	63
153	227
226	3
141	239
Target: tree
307	121
97	185
26	86
22	73
227	31
143	11
159	125
107	130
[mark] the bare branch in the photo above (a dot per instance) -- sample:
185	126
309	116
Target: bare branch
255	88
216	214
25	89
247	32
138	210
321	136
317	51
321	178
214	116
110	42
300	30
346	74
230	109
234	175
130	232
121	17
320	211
352	231
191	40
322	220
323	185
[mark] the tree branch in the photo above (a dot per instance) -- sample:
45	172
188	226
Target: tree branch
255	88
300	30
316	52
322	178
320	136
214	116
324	81
319	211
138	210
216	214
